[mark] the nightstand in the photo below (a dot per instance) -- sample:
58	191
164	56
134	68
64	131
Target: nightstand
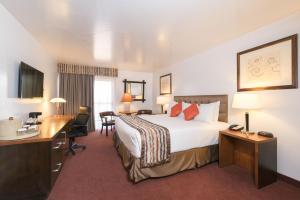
256	154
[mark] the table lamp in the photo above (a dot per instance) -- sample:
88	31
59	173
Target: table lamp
127	99
162	100
247	101
57	101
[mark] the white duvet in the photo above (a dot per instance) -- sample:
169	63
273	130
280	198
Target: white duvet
184	135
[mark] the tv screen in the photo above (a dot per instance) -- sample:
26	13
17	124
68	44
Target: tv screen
31	82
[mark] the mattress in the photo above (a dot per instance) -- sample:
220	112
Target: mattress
184	135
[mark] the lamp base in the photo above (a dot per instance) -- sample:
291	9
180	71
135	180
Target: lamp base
247	121
127	107
57	108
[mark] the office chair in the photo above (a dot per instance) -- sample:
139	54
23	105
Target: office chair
78	128
144	112
107	119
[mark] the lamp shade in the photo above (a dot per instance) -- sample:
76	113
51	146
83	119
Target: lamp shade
126	98
246	101
58	100
162	99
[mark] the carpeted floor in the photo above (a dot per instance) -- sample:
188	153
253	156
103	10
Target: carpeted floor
97	173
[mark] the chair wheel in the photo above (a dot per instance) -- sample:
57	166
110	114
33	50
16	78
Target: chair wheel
72	152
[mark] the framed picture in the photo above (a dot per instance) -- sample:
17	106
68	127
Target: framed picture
268	67
136	89
166	84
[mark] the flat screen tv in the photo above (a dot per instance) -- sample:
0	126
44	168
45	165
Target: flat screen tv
31	82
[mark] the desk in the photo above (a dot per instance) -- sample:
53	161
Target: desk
29	167
257	154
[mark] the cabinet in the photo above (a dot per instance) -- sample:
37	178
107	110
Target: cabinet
30	167
256	154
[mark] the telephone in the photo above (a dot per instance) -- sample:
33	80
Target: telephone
265	134
236	127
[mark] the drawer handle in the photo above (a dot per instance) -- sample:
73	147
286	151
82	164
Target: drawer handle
58	167
65	138
58	145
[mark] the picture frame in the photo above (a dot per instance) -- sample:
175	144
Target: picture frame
136	89
165	84
269	66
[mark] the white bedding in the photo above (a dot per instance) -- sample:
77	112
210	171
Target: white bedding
184	135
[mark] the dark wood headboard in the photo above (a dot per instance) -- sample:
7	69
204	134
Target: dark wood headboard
223	115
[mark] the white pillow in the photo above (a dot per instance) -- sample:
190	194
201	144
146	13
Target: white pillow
206	112
217	110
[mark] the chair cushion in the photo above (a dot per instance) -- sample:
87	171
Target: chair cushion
109	123
77	133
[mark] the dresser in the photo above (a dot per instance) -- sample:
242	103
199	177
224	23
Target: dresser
30	167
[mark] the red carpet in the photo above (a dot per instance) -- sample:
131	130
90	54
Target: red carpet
97	173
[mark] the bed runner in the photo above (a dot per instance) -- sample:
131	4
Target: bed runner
155	141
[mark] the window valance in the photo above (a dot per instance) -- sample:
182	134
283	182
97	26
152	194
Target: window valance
90	70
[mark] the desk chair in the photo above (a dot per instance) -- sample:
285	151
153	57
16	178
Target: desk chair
78	128
107	119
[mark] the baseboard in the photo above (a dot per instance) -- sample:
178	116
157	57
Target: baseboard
288	180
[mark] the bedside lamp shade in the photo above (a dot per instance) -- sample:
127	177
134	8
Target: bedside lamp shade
162	100
57	101
247	101
126	98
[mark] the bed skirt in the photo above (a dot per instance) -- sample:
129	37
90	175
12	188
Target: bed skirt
180	161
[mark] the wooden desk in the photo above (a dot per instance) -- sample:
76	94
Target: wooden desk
29	167
49	128
257	154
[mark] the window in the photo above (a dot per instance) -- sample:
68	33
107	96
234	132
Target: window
103	97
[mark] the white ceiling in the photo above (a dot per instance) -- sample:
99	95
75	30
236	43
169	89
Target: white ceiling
141	34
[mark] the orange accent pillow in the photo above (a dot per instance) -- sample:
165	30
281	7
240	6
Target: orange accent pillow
191	112
176	109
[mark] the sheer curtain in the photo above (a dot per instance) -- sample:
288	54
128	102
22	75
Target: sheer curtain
104	97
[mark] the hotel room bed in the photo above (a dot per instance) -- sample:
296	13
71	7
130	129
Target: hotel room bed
193	143
184	135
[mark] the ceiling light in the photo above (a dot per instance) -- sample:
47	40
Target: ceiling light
103	46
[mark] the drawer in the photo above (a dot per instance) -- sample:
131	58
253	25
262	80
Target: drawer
59	141
57	155
56	164
56	167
